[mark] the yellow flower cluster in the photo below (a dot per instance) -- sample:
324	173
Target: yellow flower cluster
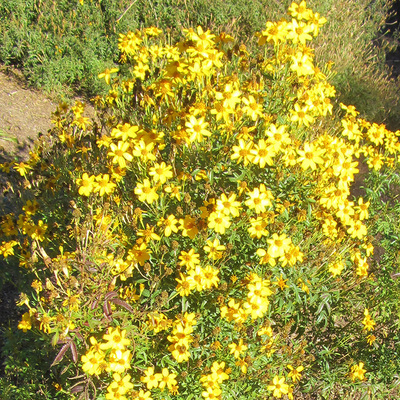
158	321
181	337
160	380
256	304
368	322
212	381
213	184
196	277
110	356
95	184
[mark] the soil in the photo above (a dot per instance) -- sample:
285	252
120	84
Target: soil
24	112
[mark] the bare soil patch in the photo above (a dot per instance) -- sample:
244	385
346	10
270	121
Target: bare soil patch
24	112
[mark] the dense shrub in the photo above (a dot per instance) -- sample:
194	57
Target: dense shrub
62	46
199	236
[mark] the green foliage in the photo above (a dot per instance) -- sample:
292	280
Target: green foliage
26	371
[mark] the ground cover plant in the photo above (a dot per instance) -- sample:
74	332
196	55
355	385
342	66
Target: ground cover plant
62	46
201	237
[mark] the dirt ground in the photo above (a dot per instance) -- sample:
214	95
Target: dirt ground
24	112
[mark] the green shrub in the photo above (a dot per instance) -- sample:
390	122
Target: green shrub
27	372
61	47
198	238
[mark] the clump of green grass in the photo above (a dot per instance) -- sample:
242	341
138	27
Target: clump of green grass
354	40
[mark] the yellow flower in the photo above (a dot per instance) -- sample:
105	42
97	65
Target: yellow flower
212	393
119	361
26	323
142	395
145	192
275	32
351	129
184	287
277	137
368	322
189	259
252	108
196	128
22	168
151	379
125	131
281	283
169	225
336	268
196	278
259	199
278	245
174	191
262	154
229	96
115	339
139	254
179	352
301	115
39	231
107	74
237	349
295	373
243	152
120	385
148	234
357	372
139	70
210	277
265	258
219	222
31	207
278	386
310	156
292	256
166	379
119	153
188	226
81	123
299	32
7	248
86	184
299	11
356	229
103	185
242	364
218	369
214	249
161	172
144	151
265	330
93	362
257	228
228	205
362	209
371	339
302	65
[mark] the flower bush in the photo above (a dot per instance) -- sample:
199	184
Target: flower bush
199	237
